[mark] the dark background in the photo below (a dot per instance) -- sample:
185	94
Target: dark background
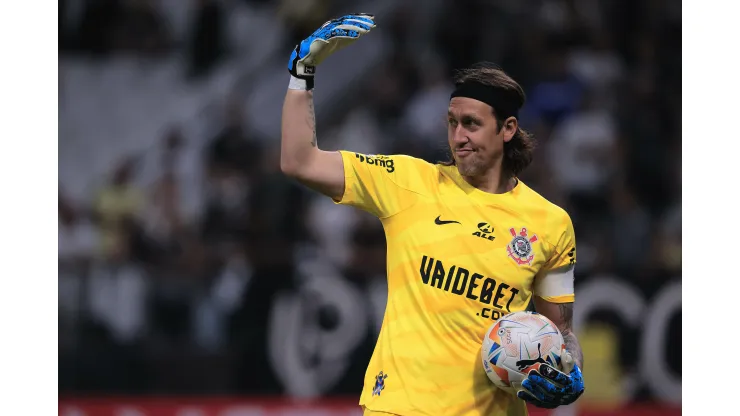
189	265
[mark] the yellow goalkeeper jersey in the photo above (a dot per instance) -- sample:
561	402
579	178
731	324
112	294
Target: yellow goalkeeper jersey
458	259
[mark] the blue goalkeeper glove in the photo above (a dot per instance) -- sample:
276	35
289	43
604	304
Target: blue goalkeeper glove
329	38
549	388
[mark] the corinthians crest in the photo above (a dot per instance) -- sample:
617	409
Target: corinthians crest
520	247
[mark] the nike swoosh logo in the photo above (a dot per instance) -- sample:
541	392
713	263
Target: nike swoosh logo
440	222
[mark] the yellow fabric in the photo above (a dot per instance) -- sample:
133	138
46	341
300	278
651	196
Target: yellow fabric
448	282
367	412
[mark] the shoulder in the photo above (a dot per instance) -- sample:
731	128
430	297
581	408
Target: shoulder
552	219
556	231
398	167
405	171
389	162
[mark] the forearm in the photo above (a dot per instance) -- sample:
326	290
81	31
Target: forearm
573	347
571	341
300	158
561	314
298	130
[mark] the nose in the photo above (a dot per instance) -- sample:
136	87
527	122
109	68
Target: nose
458	136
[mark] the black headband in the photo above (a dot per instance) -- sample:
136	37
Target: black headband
502	101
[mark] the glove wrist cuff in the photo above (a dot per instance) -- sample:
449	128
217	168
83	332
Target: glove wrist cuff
302	84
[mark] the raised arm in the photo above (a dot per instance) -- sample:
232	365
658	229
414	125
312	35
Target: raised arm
300	157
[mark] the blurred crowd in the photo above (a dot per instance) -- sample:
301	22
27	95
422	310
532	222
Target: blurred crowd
168	283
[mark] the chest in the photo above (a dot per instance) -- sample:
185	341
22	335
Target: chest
498	242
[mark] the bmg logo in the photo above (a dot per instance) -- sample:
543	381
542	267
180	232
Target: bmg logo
382	161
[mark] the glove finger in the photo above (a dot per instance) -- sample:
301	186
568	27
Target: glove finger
537	380
529	398
348	31
357	23
570	398
327	29
550	392
355	26
565	394
327	23
539	392
554	375
362	17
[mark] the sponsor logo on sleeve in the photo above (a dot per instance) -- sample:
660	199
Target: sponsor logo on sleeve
377	160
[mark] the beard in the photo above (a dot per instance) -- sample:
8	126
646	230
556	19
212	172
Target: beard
473	165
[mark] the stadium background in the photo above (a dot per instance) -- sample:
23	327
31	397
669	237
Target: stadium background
194	279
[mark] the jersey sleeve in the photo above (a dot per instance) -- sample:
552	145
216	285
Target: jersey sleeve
555	281
383	185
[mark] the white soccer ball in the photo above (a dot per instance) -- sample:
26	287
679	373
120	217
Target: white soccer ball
518	343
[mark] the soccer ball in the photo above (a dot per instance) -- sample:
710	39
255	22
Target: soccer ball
518	343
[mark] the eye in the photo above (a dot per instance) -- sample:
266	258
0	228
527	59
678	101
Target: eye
501	332
470	123
452	122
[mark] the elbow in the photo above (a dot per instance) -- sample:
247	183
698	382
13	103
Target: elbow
291	166
295	163
287	160
288	167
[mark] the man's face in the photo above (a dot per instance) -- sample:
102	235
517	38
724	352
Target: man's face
476	142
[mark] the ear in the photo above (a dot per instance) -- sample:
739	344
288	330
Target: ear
509	128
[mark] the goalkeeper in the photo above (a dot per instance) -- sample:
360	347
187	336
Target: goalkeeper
468	242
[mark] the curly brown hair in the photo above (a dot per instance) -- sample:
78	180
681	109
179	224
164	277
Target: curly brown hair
519	150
